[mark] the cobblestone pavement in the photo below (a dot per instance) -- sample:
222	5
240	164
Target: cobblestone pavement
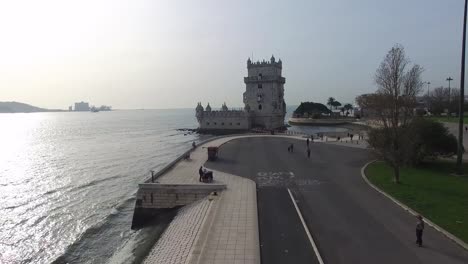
174	246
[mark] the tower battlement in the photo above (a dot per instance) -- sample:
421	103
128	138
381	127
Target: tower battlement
264	63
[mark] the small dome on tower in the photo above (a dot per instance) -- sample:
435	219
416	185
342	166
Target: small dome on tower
249	61
208	107
199	108
272	59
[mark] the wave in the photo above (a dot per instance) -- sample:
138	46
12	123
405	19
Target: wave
111	240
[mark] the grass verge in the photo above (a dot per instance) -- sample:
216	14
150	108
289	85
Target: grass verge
451	119
431	190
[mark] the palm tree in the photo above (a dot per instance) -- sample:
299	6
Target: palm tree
336	104
348	107
330	102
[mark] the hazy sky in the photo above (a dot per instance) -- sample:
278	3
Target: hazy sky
171	54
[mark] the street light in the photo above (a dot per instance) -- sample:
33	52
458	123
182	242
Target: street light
449	79
449	99
462	99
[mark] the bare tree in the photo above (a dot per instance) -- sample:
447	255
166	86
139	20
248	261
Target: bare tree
441	99
393	104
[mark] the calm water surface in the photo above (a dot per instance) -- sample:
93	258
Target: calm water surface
68	181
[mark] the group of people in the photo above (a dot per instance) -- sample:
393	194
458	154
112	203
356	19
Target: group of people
205	175
291	147
351	136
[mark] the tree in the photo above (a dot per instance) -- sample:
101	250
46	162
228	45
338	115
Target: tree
311	108
330	102
348	106
393	105
336	104
441	99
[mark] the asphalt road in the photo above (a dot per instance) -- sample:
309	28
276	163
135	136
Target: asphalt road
349	221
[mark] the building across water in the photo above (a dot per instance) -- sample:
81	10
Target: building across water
82	106
264	105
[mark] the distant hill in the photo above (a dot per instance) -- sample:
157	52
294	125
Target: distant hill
15	107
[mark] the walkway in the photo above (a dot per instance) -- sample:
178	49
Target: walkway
351	222
225	231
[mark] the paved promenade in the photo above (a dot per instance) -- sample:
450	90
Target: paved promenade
225	231
350	222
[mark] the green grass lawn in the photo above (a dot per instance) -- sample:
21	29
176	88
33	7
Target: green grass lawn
431	190
449	119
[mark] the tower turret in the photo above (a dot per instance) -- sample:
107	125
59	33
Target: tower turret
208	108
199	112
224	107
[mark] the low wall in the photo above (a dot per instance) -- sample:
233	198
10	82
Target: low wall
156	196
154	199
171	164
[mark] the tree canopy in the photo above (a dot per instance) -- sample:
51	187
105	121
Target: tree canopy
311	108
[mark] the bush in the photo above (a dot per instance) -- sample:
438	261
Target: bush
431	139
420	140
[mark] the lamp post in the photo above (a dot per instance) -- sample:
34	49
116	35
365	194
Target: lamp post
462	98
428	83
449	95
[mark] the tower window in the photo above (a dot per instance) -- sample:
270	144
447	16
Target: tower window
260	76
215	123
207	123
222	124
260	86
259	107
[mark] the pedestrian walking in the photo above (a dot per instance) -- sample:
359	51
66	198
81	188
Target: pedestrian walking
308	153
308	142
419	230
292	147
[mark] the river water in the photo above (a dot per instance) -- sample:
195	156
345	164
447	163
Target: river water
68	182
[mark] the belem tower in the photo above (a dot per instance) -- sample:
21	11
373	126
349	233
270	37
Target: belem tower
264	105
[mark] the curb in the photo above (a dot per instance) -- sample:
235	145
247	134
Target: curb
411	211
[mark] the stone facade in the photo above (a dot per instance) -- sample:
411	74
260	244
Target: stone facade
264	105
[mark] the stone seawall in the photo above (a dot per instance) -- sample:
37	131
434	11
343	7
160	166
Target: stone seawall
157	196
154	199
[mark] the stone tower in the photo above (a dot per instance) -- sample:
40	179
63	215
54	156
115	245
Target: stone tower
264	93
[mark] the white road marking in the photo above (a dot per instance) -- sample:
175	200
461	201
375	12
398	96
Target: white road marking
312	242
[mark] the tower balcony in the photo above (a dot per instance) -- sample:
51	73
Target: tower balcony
255	79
